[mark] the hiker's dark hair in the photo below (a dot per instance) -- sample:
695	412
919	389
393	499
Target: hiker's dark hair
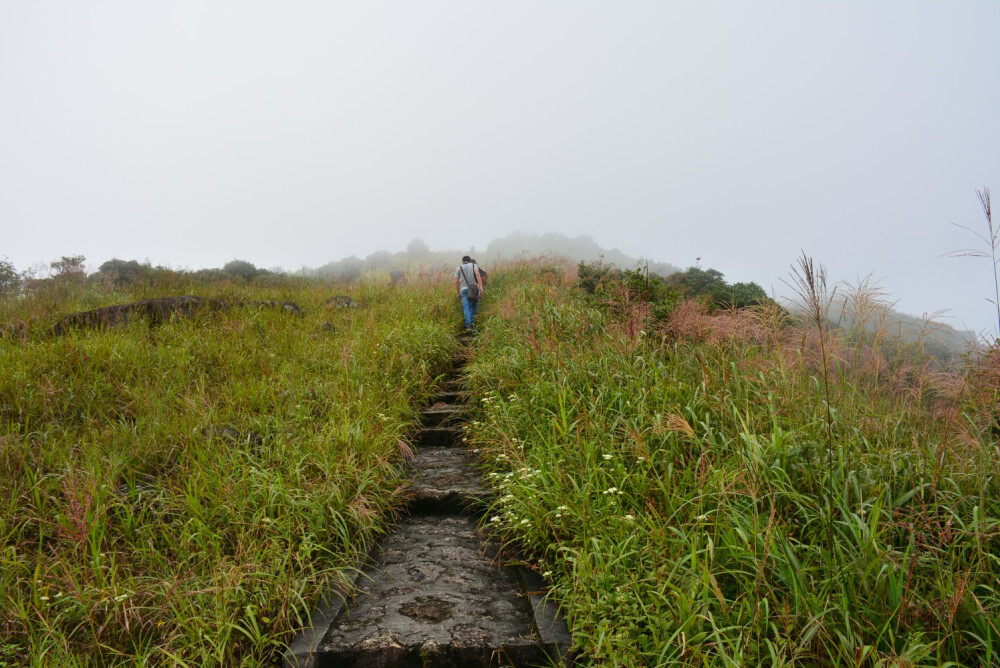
466	259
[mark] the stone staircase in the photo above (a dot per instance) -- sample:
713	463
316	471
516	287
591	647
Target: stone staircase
434	592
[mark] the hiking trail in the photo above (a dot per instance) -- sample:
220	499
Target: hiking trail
434	592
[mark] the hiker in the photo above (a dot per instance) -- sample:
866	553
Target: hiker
467	275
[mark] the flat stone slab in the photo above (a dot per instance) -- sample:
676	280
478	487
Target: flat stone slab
442	413
445	480
449	397
435	596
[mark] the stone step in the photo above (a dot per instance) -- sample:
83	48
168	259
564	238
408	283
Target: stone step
446	480
435	595
449	397
452	383
446	436
441	413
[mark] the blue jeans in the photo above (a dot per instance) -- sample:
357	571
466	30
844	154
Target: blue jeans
469	309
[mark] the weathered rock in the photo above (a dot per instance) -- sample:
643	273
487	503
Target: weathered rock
287	307
156	311
341	301
140	488
445	480
16	329
435	596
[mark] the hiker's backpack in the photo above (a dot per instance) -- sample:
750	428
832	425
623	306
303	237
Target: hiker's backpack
482	273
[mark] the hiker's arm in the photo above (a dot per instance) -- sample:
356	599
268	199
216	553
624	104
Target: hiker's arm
458	286
479	279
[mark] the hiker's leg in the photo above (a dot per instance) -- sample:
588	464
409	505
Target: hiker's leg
466	308
473	310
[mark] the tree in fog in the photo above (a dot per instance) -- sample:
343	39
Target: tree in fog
10	280
240	268
69	269
417	248
120	272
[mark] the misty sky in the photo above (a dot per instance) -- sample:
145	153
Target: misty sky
295	133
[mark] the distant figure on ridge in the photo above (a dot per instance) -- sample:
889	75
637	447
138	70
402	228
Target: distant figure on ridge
469	284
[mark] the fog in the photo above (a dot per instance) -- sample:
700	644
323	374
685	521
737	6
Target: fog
293	134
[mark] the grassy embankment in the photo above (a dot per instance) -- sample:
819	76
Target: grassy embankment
182	494
736	490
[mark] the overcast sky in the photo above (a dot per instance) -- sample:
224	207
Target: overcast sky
295	133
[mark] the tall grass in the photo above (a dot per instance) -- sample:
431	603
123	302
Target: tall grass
992	241
734	489
182	494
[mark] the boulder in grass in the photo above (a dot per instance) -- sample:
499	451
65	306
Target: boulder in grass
16	329
139	488
156	311
341	301
287	307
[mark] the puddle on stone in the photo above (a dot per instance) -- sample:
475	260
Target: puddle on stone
427	609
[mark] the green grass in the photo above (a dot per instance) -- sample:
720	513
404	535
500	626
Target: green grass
705	489
134	529
693	502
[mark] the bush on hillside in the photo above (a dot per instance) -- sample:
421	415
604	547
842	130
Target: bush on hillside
710	283
629	289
